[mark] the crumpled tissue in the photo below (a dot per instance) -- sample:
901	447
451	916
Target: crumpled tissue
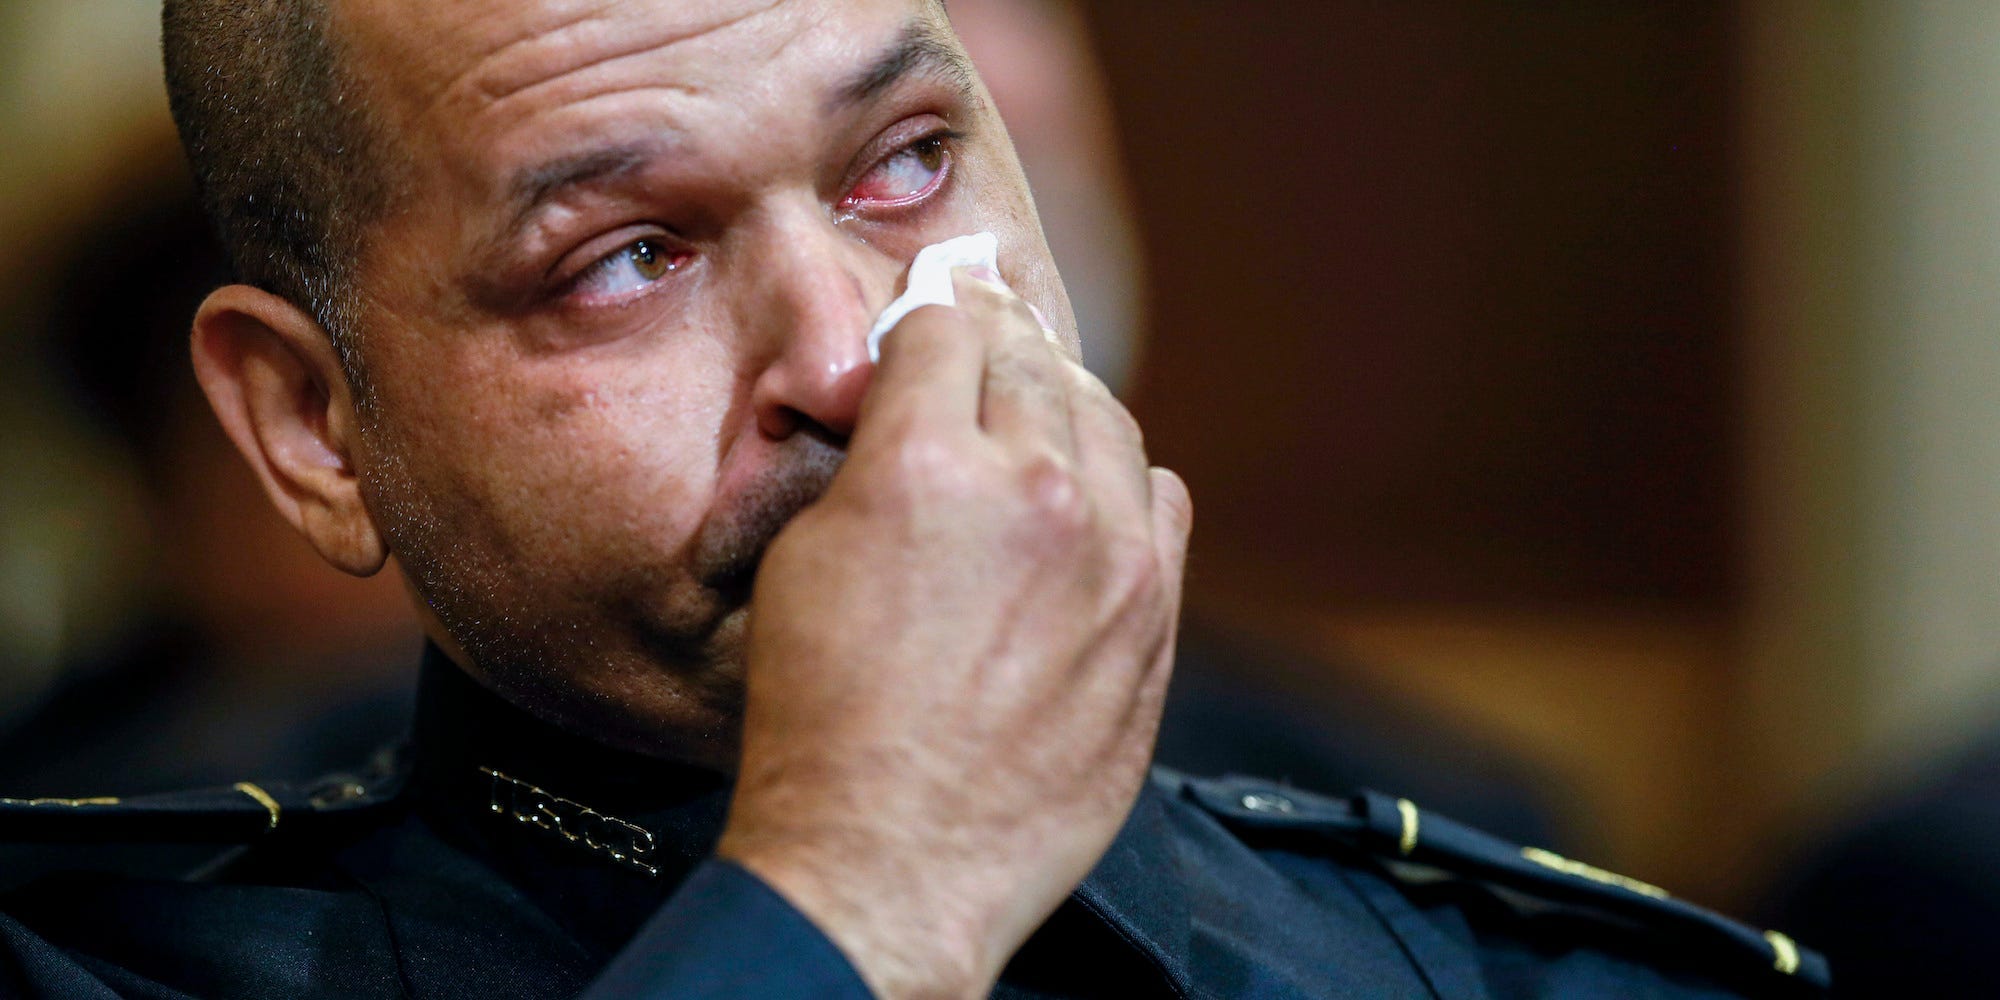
929	283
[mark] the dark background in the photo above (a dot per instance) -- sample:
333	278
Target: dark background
1441	293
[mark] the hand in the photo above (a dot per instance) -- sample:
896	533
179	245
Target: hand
958	656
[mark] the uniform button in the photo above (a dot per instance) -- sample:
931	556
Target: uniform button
1267	802
334	793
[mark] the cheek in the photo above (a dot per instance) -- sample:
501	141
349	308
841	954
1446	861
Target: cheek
995	198
1030	270
636	459
562	468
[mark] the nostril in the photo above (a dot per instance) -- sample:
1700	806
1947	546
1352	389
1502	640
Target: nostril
788	423
804	389
778	422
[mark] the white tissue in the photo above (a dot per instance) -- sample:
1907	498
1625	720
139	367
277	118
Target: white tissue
930	280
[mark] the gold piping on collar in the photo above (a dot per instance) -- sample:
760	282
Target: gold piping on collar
1784	954
263	798
101	800
1408	843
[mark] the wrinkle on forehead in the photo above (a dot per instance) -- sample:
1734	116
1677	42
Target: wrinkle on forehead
535	60
473	53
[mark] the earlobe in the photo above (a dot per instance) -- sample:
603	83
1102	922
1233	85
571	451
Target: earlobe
274	380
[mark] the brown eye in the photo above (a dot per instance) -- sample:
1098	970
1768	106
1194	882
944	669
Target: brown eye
649	260
630	267
930	153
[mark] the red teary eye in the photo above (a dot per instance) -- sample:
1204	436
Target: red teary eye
905	177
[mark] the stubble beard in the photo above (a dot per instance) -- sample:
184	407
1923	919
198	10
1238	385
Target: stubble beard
674	686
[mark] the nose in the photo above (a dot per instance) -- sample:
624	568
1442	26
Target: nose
820	291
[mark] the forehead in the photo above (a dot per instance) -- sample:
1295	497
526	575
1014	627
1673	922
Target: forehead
482	66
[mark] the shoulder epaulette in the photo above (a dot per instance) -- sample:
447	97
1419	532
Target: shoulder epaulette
1399	832
224	814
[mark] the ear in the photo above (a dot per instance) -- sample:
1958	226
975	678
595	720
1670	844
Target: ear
274	380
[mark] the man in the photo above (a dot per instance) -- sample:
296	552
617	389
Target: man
758	669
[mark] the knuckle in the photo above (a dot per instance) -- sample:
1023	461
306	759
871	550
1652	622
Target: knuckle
1118	420
1002	313
1086	383
1018	310
1135	564
1053	493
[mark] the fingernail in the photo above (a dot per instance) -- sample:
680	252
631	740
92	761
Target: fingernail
980	272
1040	317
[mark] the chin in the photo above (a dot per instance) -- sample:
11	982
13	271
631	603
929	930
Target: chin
668	708
678	697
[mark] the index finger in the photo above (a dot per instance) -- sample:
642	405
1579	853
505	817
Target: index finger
932	366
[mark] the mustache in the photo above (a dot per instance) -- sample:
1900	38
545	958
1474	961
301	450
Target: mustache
729	548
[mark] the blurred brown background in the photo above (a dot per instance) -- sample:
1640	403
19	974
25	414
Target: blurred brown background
1609	379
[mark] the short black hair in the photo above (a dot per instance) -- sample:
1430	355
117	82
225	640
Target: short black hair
289	160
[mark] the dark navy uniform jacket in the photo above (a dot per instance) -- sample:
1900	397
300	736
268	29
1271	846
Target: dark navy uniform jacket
498	857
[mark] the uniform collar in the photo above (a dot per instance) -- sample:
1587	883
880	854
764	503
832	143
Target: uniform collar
466	734
549	810
598	837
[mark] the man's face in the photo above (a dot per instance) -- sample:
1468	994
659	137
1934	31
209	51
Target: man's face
614	335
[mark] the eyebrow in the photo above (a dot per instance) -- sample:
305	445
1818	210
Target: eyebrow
921	48
538	184
534	187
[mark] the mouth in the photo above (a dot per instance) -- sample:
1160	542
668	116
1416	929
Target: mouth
731	546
